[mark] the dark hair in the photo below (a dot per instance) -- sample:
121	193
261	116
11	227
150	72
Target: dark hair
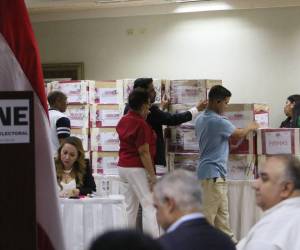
55	95
142	83
218	92
125	240
294	98
137	98
296	115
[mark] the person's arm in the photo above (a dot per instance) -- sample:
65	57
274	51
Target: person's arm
242	132
89	185
144	154
63	129
166	118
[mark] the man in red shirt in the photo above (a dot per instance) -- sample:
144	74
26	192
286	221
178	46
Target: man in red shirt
136	160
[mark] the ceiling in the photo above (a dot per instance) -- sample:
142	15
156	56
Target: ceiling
47	10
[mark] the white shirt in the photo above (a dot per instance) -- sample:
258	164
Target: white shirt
279	229
64	128
183	219
66	187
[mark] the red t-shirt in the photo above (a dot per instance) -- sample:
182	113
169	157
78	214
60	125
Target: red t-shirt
134	132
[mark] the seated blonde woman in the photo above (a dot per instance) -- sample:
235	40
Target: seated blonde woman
74	175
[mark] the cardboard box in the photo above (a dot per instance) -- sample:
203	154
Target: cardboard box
245	145
105	162
159	86
104	139
182	139
278	141
83	135
242	167
76	91
78	115
104	115
179	108
105	92
190	92
241	115
187	161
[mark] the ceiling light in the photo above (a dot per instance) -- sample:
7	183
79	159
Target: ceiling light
203	6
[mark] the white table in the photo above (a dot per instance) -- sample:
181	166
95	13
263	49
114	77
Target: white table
243	211
84	219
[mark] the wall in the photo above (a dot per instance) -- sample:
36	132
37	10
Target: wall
255	52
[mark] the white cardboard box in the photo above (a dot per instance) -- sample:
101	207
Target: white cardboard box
104	115
105	163
241	115
105	92
83	135
278	141
182	139
104	139
190	92
76	91
78	115
159	86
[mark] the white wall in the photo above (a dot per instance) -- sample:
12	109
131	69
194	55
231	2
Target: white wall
255	52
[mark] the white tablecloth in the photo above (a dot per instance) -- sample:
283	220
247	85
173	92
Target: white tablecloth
242	207
84	219
243	211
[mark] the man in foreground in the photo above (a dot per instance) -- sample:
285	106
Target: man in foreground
278	195
177	199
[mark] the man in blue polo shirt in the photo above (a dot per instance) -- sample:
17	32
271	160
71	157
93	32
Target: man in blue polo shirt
213	131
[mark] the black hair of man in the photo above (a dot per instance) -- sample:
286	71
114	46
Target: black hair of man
54	96
125	240
142	83
294	98
218	93
137	98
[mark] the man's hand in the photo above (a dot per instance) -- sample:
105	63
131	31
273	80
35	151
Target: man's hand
201	105
252	126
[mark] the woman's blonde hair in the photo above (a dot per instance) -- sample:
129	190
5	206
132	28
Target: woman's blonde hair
79	167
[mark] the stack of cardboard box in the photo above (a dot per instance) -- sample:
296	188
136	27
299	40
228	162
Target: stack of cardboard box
242	163
105	113
78	107
182	145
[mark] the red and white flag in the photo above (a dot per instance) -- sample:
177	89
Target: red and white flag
20	70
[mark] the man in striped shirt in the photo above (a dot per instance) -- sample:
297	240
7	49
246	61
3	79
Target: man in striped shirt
60	124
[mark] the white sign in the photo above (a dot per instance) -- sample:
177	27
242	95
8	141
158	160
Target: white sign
278	142
14	121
